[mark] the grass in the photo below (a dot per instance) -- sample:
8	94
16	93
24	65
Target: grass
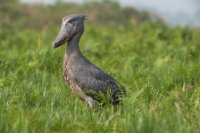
158	66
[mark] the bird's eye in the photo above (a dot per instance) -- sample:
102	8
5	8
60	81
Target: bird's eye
71	21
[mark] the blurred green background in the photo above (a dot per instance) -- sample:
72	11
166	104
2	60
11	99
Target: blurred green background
156	63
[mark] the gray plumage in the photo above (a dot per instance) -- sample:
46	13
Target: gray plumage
85	79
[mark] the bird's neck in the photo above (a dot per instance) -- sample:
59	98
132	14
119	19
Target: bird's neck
73	44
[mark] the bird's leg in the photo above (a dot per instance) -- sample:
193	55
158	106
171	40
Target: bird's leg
91	102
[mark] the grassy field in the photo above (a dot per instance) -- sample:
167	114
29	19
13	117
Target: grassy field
159	67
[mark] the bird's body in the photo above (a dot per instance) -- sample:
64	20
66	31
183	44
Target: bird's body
86	80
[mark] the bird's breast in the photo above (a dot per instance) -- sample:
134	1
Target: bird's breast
68	68
65	68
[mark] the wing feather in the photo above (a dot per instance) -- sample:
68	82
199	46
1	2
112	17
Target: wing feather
94	82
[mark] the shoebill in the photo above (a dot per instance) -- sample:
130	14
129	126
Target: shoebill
85	80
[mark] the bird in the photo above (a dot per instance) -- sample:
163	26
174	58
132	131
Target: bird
85	80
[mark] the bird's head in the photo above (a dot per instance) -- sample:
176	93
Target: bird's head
71	25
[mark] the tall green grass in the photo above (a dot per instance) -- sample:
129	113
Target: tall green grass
158	66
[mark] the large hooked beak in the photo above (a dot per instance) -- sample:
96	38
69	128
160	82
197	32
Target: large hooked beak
63	36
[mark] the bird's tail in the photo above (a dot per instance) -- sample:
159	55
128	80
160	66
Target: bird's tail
117	92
